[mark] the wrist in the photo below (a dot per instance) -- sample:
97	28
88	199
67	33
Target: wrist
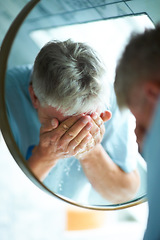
88	155
39	164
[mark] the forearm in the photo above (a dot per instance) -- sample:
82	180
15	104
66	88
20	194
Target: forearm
107	178
58	142
39	165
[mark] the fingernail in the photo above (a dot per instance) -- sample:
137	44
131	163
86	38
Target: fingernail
94	116
85	119
53	122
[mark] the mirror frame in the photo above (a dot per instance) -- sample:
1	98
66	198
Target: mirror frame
5	127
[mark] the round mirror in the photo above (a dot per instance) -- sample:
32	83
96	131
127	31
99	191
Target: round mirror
69	179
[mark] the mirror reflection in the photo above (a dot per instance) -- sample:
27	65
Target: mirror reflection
64	117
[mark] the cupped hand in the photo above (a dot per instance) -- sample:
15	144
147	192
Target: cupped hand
96	133
64	140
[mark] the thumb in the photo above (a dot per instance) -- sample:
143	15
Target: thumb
49	125
106	115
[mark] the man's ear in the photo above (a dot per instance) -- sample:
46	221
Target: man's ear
106	115
152	91
34	98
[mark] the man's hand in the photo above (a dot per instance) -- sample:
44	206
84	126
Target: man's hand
64	140
97	132
58	141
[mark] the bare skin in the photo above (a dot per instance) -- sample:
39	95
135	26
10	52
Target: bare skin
72	137
107	178
59	142
80	136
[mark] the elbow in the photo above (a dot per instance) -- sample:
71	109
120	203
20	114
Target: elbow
126	189
129	187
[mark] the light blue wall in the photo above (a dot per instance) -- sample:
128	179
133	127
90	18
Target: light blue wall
58	13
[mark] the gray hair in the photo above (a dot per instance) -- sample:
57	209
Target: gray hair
140	62
69	76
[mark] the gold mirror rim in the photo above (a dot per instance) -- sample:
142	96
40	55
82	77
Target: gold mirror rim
5	127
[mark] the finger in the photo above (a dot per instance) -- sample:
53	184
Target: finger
97	123
79	138
82	147
95	132
72	128
98	128
106	115
67	124
97	119
71	133
55	135
49	125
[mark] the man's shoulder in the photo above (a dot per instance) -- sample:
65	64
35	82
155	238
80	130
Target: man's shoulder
17	82
18	75
20	68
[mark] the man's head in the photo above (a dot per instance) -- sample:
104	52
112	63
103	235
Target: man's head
68	76
137	81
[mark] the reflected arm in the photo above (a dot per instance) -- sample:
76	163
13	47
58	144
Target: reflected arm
108	178
39	165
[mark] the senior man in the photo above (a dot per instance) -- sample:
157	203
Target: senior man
137	86
56	109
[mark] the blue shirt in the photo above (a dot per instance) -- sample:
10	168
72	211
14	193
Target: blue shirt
151	153
67	177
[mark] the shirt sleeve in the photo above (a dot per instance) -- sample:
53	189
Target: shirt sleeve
22	117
